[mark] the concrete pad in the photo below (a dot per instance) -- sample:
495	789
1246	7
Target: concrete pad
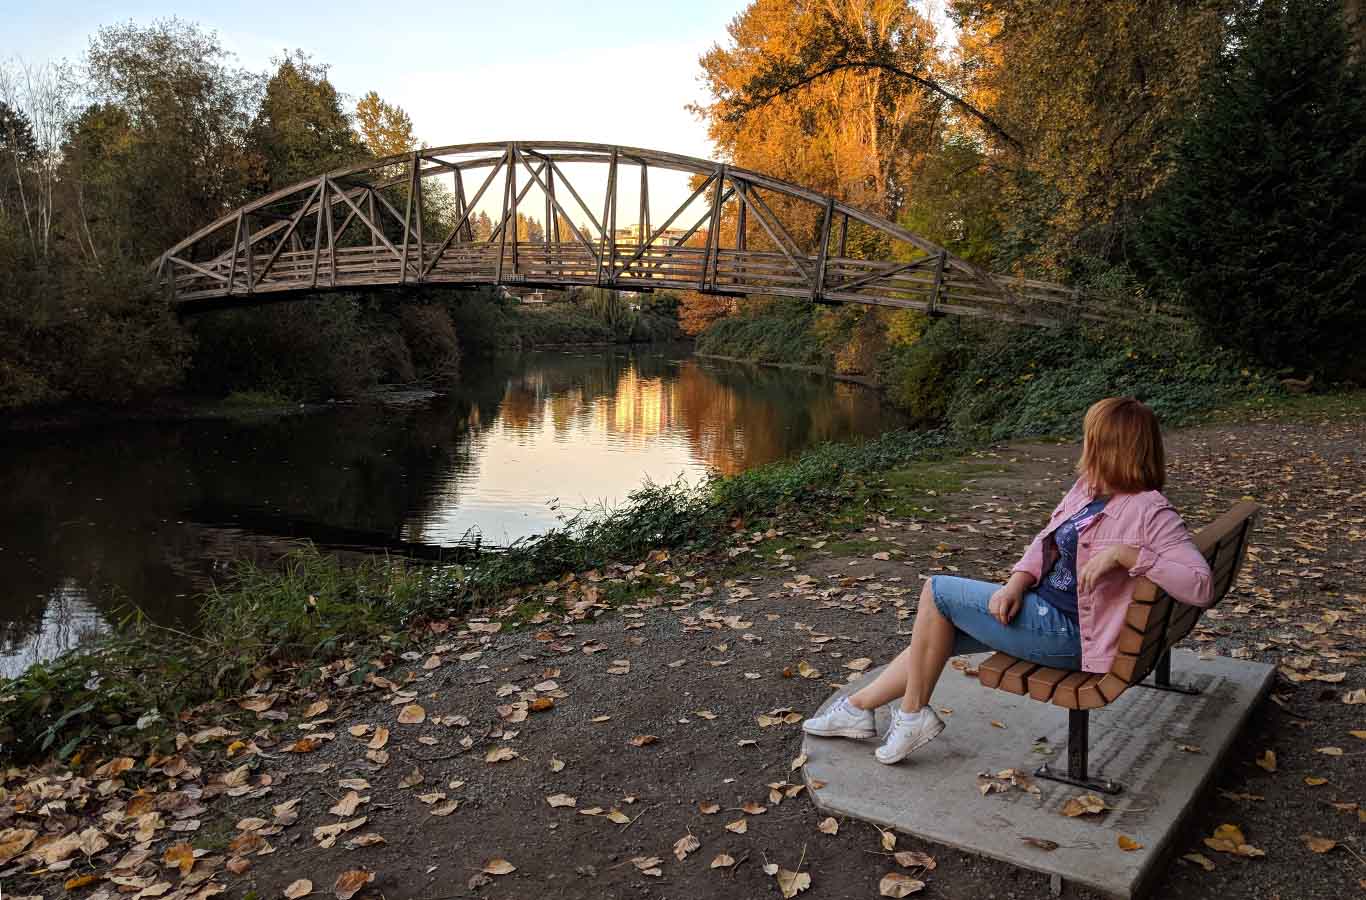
934	794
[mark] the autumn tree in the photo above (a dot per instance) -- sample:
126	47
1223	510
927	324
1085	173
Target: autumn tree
1089	93
385	129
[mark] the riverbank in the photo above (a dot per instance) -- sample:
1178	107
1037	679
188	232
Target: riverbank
452	732
796	367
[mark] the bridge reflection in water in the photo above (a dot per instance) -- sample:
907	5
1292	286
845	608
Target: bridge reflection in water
150	514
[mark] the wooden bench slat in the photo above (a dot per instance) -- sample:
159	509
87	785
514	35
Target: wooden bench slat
1043	681
1014	678
1089	695
1066	694
989	673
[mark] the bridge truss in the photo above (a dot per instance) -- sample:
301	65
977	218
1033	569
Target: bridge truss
410	220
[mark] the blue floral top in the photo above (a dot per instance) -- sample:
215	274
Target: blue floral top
1059	584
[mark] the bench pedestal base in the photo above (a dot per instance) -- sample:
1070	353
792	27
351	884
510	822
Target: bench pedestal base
935	795
1078	746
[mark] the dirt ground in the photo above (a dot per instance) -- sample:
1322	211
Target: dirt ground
671	716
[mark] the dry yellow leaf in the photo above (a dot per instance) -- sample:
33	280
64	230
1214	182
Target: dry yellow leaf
1127	843
913	859
380	739
300	888
739	826
348	883
897	884
499	866
1200	860
412	714
1267	761
685	845
790	884
179	856
1084	805
1318	844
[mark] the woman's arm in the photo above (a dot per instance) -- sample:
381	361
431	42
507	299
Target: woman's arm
1168	557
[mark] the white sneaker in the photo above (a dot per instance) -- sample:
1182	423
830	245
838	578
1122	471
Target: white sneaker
842	719
908	733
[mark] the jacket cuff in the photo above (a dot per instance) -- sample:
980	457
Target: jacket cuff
1146	560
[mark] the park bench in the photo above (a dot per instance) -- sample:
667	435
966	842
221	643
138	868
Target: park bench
1153	625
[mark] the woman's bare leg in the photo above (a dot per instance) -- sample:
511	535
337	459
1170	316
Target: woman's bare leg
915	671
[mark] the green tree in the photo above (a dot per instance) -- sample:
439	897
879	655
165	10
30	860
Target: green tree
1262	225
180	110
385	128
301	128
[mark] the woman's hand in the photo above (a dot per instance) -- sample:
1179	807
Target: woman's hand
1004	604
1112	557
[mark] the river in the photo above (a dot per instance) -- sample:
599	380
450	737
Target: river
99	520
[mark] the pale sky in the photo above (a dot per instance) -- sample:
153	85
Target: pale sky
605	71
611	72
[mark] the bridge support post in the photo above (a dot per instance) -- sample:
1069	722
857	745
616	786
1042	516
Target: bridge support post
938	282
818	281
713	231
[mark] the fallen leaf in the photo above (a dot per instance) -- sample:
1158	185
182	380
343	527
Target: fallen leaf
797	763
348	883
558	800
914	859
380	739
1229	839
412	714
1318	844
1041	843
722	861
806	670
348	804
708	809
1084	805
1355	698
1127	843
828	825
556	765
889	840
643	740
897	884
858	665
617	816
1329	751
739	826
500	754
648	865
13	841
1267	761
179	856
301	888
1314	780
685	845
498	866
315	709
1200	860
790	884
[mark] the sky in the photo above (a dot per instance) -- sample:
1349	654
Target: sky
611	72
604	71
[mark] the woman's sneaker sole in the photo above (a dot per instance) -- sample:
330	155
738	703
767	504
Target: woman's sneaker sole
857	734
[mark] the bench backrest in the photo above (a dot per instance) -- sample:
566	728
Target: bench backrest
1155	622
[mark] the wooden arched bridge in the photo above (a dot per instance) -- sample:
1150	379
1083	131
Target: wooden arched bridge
411	220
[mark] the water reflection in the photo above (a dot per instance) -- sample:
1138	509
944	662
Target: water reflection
150	515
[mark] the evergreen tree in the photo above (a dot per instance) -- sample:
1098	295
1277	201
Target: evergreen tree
1261	226
301	128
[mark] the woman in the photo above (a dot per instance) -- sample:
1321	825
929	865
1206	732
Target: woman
1065	602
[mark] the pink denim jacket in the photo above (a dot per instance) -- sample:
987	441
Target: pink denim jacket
1166	556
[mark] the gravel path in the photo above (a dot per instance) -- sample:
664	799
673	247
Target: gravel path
688	698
